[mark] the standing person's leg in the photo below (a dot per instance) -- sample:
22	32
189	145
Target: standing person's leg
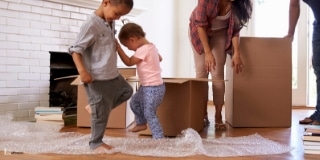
100	97
136	105
316	66
217	43
152	98
199	61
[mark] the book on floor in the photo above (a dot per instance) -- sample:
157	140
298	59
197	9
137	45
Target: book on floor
307	151
50	117
311	138
311	133
316	127
311	143
48	110
311	147
311	130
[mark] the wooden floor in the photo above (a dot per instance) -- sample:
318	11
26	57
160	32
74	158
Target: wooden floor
289	136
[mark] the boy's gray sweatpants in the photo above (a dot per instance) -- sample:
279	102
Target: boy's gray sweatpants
103	96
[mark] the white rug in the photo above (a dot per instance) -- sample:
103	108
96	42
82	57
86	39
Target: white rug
35	138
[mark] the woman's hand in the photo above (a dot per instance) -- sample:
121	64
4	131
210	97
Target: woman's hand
290	36
210	62
237	63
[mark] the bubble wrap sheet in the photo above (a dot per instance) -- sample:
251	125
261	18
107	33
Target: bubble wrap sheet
35	138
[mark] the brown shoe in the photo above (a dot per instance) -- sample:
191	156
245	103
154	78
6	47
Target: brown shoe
306	120
220	127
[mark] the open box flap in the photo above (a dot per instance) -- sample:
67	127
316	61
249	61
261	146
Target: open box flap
168	80
172	79
66	77
182	80
77	81
132	79
175	80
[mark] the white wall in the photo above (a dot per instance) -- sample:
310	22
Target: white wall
166	25
29	29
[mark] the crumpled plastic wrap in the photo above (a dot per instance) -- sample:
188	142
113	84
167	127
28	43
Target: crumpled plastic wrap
35	138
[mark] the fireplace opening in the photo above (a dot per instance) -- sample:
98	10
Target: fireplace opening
62	72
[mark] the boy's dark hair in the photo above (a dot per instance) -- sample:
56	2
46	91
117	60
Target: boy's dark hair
129	30
128	3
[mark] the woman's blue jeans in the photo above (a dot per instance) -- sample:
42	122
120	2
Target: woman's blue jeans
316	67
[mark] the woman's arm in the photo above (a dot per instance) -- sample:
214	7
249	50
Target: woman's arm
236	58
294	13
210	62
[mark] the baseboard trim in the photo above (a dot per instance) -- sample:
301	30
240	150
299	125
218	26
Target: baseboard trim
210	103
304	107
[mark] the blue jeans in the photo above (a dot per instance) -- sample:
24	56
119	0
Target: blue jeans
144	104
316	67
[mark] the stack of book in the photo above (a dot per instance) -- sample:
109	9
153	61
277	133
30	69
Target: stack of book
49	114
311	139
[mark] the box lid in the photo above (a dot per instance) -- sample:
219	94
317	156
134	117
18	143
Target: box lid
183	80
171	79
77	81
132	79
66	77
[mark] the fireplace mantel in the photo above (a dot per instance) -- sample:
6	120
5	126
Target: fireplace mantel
93	4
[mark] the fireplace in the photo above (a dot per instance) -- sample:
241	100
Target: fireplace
62	72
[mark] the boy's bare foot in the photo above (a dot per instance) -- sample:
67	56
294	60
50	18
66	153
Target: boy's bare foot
103	147
88	108
138	128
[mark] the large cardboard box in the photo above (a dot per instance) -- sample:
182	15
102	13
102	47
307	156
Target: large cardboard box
120	117
182	106
261	95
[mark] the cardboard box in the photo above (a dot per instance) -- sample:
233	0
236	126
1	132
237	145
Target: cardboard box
182	106
120	117
261	95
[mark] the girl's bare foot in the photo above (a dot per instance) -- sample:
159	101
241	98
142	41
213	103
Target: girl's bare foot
138	128
88	108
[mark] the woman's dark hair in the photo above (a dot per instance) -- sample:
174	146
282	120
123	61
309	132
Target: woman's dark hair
128	3
242	10
129	30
